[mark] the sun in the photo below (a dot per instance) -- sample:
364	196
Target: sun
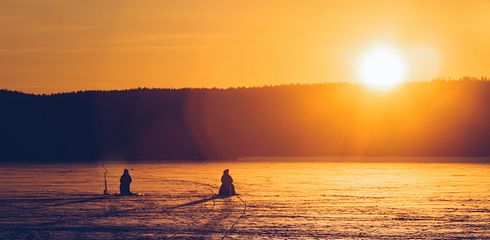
382	68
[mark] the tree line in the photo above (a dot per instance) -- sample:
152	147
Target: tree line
438	118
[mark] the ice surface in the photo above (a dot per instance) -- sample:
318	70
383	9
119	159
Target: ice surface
284	201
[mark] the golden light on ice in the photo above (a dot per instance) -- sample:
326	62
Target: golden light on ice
382	68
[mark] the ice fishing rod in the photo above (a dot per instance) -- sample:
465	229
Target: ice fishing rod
105	180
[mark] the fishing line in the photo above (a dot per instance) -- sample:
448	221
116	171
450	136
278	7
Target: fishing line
212	191
210	187
238	218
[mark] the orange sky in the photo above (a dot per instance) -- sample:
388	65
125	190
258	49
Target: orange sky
64	45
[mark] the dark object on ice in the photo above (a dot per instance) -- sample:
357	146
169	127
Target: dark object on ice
125	182
105	181
227	188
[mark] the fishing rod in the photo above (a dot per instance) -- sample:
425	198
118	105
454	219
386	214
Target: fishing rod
105	180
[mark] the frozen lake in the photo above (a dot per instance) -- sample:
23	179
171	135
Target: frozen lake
277	200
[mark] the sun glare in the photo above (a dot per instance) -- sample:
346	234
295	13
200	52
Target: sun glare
382	68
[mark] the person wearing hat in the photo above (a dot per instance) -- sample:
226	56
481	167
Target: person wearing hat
125	181
227	188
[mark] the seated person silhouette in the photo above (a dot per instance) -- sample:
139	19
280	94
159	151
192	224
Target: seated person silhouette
125	182
227	188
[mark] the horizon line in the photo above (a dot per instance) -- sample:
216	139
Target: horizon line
440	79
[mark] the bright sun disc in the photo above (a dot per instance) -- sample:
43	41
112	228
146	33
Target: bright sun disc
382	68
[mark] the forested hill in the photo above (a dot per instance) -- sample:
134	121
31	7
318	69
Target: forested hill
418	119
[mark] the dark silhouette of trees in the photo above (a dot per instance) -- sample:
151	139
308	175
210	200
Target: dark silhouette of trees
438	118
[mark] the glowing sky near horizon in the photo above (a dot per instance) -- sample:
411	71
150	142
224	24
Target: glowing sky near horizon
65	45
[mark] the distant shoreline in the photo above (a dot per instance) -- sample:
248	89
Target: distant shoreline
319	84
283	159
429	119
